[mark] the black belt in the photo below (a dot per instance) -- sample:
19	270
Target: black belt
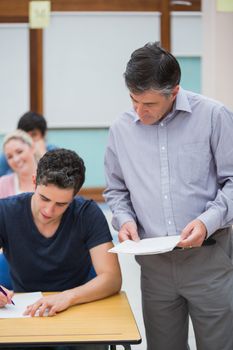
206	242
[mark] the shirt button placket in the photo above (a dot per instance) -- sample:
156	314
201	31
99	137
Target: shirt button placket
165	176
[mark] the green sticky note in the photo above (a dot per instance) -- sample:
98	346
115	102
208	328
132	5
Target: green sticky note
39	14
225	5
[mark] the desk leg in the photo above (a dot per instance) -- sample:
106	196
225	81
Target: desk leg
126	347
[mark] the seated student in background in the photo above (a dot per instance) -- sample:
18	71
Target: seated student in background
20	153
19	150
36	126
52	238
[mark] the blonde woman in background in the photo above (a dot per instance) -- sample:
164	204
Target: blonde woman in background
19	150
21	156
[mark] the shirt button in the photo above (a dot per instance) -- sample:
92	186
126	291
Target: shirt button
169	222
163	148
161	124
165	196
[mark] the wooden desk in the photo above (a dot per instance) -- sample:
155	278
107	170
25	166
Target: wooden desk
108	321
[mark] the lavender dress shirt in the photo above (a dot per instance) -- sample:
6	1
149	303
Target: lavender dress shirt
163	176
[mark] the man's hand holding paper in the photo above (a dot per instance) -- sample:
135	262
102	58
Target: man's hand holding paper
147	246
128	231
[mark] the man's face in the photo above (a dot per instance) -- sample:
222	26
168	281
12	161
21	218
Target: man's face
49	203
36	135
152	105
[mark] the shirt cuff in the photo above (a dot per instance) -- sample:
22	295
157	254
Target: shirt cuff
120	219
212	220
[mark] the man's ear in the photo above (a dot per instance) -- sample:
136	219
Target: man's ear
175	91
34	181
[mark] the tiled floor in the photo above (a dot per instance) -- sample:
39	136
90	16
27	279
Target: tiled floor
131	285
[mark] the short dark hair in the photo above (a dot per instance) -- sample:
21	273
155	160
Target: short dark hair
31	121
62	168
152	68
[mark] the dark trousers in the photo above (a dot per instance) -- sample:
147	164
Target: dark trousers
196	282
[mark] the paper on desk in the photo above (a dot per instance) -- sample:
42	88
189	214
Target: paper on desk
146	246
21	300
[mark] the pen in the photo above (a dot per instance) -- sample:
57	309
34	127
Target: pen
3	292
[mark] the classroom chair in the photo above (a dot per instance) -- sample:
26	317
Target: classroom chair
5	279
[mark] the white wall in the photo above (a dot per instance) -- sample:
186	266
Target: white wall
14	74
85	58
217	68
186	34
85	55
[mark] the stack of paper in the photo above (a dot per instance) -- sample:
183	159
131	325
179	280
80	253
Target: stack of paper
147	246
21	300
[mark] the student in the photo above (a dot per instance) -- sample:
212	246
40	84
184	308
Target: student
169	171
36	126
52	238
21	156
20	153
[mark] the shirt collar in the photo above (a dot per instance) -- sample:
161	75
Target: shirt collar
181	104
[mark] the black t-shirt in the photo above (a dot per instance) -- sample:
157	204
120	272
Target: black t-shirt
50	264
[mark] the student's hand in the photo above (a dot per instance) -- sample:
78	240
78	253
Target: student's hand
128	231
6	299
50	305
193	235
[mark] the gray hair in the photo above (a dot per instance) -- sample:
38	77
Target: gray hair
152	68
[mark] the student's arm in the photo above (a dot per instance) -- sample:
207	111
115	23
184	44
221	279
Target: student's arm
106	283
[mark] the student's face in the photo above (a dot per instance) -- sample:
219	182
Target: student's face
20	156
151	105
49	203
36	135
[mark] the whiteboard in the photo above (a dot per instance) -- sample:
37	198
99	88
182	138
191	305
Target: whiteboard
186	34
14	73
85	56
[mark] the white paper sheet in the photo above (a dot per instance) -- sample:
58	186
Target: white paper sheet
147	246
21	300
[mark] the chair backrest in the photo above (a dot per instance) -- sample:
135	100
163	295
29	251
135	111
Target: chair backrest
5	279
